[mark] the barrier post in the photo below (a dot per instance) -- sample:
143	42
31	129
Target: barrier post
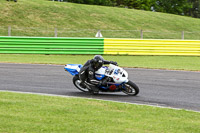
182	35
56	33
141	33
9	30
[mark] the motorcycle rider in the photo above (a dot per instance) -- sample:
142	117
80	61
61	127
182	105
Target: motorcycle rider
87	73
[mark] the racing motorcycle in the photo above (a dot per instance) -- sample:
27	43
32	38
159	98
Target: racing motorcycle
117	79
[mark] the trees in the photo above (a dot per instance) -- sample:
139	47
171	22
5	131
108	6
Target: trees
179	7
195	10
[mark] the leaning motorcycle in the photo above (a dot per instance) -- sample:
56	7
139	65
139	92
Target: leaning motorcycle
117	79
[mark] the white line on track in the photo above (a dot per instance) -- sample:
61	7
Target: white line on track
97	99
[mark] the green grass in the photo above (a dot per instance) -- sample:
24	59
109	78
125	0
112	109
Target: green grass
34	113
40	17
158	62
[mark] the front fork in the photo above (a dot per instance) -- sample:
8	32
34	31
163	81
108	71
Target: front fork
123	84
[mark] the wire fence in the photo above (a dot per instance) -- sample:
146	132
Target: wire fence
106	33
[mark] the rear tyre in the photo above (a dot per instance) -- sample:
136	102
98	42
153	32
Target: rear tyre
76	82
131	88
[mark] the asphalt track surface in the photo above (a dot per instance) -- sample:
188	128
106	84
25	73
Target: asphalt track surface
176	89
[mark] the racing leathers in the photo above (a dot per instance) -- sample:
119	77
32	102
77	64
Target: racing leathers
87	75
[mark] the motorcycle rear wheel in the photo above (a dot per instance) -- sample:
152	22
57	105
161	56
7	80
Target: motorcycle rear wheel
76	82
131	88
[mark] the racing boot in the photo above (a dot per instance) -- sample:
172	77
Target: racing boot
92	88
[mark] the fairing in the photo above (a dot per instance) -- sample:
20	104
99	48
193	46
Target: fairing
73	69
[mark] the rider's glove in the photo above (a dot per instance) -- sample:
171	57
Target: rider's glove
112	62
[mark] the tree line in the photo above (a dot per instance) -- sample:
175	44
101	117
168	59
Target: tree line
179	7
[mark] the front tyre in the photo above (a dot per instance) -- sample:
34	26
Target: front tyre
130	88
77	82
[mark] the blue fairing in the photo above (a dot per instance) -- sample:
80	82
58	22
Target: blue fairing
71	68
99	76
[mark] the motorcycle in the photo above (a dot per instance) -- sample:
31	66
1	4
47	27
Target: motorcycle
117	79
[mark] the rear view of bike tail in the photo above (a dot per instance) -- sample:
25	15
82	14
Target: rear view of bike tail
74	70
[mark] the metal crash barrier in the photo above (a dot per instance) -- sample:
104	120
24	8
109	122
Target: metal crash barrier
54	45
45	45
151	47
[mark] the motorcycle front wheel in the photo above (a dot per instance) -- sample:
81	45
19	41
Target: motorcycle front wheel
76	82
130	88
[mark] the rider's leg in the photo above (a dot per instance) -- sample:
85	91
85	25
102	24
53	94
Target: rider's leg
93	88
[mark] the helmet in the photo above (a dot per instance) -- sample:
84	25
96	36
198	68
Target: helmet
98	57
97	62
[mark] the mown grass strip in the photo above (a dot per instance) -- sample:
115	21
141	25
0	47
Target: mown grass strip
36	113
155	62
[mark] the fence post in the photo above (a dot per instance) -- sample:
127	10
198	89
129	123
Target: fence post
182	35
9	30
56	33
141	33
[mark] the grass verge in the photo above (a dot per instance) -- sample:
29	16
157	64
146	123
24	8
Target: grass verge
41	17
156	62
36	113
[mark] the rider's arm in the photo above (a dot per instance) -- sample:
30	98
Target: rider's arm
87	63
109	62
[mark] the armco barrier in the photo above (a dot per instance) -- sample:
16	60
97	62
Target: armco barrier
151	47
45	45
